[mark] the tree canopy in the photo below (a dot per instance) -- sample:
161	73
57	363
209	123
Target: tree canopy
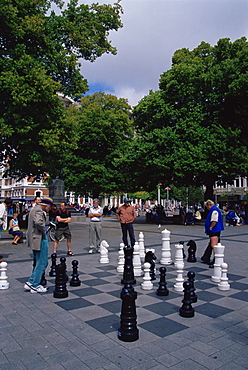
104	134
193	130
39	57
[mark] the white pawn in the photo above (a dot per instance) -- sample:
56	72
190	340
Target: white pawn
121	258
178	287
223	284
136	260
147	284
104	252
3	276
142	246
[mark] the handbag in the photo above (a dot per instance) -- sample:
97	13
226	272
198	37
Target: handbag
15	228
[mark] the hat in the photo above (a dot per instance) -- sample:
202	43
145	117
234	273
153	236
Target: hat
126	200
46	201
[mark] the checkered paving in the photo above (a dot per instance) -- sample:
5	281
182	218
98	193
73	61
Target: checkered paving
97	300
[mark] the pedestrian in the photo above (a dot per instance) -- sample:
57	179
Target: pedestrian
126	215
95	226
14	229
4	214
63	218
37	240
213	228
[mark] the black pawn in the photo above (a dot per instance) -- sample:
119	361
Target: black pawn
191	279
128	274
60	290
162	289
191	255
186	310
128	331
75	279
53	266
63	262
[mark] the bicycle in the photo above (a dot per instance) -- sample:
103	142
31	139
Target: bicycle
51	230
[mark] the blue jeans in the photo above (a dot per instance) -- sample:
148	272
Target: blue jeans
1	229
41	262
128	228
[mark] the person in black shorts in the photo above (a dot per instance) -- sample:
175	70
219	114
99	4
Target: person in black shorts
63	218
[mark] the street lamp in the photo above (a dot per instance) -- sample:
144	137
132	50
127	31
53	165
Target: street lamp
167	190
159	184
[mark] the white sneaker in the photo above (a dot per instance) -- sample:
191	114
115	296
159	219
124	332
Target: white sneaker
38	289
27	286
91	250
159	226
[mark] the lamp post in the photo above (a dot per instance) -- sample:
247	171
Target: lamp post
159	184
167	198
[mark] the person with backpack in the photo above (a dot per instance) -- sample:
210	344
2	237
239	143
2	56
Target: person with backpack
63	218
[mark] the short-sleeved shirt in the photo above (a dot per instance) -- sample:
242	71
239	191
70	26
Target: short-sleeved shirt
61	214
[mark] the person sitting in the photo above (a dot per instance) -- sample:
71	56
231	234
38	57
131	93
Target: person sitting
14	229
231	217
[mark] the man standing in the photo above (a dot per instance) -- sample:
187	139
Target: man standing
126	215
63	218
213	228
95	227
3	214
38	241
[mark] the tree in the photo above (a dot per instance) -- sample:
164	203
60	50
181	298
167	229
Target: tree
39	56
104	133
196	121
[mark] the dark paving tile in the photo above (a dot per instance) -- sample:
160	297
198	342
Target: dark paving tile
114	306
239	286
95	282
73	304
163	327
83	292
102	274
208	296
107	268
116	293
162	308
202	276
243	296
105	324
212	310
236	277
171	295
202	285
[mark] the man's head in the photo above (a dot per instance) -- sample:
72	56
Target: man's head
96	202
126	201
37	200
62	206
8	202
46	203
209	204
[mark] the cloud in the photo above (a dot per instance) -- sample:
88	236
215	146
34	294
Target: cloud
153	30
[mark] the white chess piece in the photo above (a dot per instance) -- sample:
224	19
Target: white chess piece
136	260
121	258
147	284
142	246
178	287
166	250
3	276
223	284
104	252
179	255
218	260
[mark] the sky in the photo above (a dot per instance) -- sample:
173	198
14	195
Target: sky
152	31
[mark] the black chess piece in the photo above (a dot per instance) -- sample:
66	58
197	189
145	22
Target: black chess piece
53	266
191	251
63	262
60	290
128	331
162	289
150	257
182	243
128	274
187	310
75	276
191	279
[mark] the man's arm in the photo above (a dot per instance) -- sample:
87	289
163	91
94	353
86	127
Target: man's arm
39	221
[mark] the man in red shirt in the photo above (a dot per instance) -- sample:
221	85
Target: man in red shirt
126	214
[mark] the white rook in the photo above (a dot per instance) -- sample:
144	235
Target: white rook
179	255
218	260
166	250
3	276
223	284
142	246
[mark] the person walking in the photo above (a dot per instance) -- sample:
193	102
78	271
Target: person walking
63	218
4	214
213	228
95	226
37	240
126	215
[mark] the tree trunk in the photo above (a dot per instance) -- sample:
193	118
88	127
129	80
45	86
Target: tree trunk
209	193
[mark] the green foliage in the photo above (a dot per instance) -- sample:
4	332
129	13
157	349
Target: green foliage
104	133
39	57
193	130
